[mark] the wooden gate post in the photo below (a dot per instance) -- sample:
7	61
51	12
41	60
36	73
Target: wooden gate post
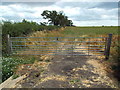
107	51
8	44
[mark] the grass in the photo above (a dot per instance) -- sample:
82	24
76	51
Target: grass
78	31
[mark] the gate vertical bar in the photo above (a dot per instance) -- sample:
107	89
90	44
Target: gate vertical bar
88	46
107	52
73	43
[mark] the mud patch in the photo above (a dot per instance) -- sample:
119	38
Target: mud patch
54	84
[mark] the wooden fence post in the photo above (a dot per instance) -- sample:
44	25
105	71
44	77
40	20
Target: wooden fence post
107	51
8	44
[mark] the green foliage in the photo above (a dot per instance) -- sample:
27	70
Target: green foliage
56	18
15	76
21	29
9	65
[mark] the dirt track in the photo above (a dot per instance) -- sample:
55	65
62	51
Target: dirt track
70	72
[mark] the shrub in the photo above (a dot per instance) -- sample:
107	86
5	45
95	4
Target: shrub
20	29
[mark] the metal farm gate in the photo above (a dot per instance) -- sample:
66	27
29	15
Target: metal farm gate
86	46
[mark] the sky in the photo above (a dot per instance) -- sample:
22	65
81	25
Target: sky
82	13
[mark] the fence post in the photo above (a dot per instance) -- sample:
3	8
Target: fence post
8	44
107	51
56	45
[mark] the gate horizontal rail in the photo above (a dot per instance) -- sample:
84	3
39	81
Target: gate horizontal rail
52	48
58	45
58	37
88	44
62	54
49	48
59	41
55	50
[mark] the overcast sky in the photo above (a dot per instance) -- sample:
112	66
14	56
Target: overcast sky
81	13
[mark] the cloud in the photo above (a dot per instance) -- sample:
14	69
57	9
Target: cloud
10	12
107	5
81	13
90	0
96	23
31	4
61	0
77	4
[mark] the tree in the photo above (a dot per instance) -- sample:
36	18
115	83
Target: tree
57	19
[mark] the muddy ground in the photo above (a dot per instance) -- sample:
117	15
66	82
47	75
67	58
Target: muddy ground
64	71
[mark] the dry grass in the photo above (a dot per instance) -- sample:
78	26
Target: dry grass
53	45
49	48
53	77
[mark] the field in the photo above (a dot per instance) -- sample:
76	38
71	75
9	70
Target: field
81	32
78	31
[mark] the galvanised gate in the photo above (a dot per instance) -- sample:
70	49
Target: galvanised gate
83	46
